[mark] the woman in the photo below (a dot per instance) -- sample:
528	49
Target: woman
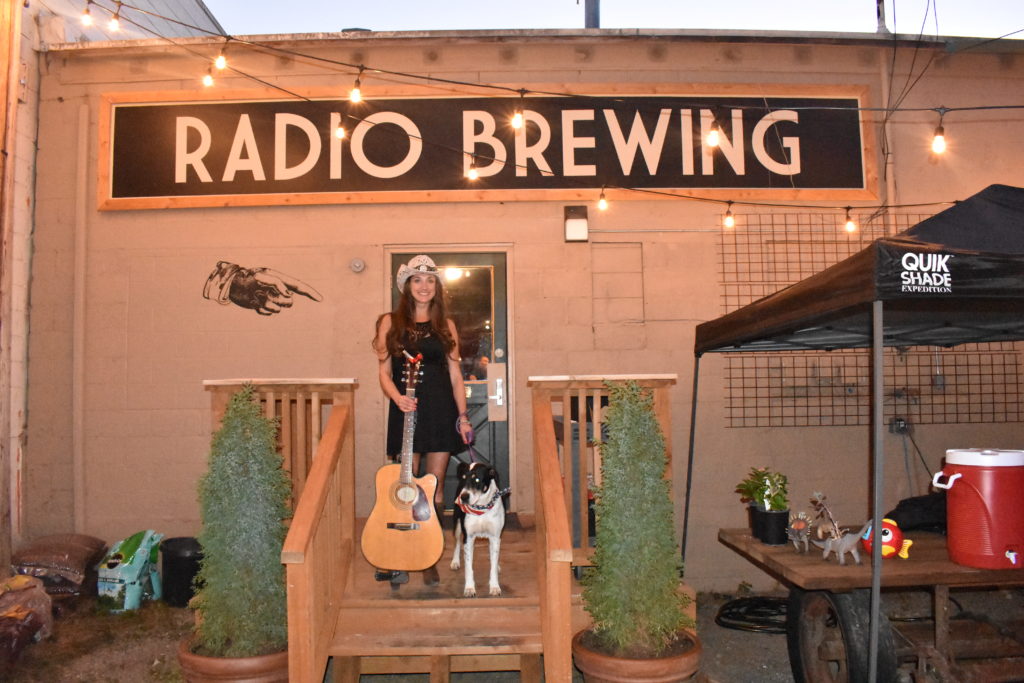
420	325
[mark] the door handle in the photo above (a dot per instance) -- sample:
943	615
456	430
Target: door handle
499	392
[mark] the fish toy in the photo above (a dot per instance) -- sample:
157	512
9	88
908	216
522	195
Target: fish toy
893	542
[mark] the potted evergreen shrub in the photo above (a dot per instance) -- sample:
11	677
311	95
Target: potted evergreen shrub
641	629
767	494
242	619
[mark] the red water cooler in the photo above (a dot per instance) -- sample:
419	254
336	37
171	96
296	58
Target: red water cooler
984	507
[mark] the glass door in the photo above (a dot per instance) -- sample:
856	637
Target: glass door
477	288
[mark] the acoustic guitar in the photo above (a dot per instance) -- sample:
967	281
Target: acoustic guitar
403	531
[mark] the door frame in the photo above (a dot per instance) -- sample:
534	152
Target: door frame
505	248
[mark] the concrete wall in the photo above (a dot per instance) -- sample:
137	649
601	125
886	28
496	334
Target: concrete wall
121	338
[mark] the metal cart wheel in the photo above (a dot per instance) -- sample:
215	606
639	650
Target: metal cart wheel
828	637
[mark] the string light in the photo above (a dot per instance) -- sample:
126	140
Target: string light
221	62
340	133
851	226
115	21
208	78
471	172
602	203
712	139
356	94
517	117
939	139
729	221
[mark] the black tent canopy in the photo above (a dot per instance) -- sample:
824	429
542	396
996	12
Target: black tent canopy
954	278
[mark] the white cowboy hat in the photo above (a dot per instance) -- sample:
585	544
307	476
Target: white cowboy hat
417	264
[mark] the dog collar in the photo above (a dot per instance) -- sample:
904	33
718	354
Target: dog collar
481	509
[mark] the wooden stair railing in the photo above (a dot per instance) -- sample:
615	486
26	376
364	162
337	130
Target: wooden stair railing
319	547
297	404
554	547
560	490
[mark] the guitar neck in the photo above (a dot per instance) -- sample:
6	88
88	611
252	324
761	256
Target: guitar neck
408	429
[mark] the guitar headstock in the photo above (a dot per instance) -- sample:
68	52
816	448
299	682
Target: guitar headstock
413	372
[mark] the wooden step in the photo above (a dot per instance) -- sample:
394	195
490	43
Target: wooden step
474	627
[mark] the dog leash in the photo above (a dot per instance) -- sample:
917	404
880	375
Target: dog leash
474	457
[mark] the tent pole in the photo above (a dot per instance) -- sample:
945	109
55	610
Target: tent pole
878	469
689	461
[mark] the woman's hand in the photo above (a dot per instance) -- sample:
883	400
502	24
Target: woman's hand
406	404
466	431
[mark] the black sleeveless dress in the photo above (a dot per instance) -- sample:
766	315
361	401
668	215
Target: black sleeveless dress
436	411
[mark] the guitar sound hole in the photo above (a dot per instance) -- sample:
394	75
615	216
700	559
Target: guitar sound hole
405	494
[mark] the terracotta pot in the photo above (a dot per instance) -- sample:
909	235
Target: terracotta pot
598	667
272	668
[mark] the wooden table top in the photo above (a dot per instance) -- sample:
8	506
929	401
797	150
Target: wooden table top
928	565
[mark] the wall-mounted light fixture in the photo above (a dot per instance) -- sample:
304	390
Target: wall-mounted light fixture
576	229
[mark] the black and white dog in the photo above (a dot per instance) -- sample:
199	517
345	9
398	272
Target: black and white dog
479	511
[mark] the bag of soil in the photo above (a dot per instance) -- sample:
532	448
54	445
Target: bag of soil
128	574
65	562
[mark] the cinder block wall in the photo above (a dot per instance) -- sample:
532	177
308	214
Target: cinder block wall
627	301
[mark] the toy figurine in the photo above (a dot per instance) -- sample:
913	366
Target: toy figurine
893	543
846	543
799	530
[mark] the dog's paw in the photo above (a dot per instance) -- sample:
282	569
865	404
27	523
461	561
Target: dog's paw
469	592
456	563
495	590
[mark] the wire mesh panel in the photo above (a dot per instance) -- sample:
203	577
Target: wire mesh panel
926	385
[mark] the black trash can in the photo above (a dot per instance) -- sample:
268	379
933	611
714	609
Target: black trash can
180	564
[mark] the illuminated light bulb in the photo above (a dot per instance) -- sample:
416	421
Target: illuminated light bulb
115	23
207	79
939	141
517	117
850	226
221	62
471	172
602	203
356	94
87	15
712	138
729	221
339	132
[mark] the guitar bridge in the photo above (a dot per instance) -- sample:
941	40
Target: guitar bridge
403	526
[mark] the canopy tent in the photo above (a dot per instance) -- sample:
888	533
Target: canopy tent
954	278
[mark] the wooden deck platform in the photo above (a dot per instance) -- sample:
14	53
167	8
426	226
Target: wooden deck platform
419	628
338	613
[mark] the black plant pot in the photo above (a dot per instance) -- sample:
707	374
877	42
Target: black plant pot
769	526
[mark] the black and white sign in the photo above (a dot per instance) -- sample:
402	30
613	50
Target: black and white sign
289	147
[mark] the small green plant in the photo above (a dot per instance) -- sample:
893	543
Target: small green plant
765	488
632	592
243	500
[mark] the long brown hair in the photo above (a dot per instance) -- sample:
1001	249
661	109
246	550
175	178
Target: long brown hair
403	319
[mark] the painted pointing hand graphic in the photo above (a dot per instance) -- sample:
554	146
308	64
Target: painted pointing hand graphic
264	290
